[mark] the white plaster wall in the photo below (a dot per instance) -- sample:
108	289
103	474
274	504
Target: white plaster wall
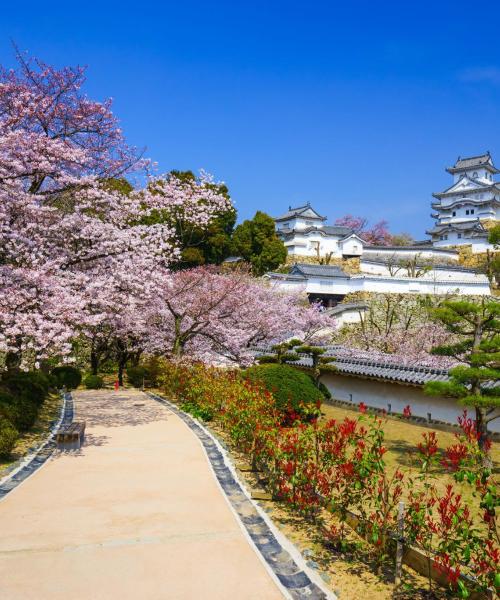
404	254
352	247
348	317
423	286
477	245
378	394
441	274
306	245
340	285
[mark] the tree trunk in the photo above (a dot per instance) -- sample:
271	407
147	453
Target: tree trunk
135	357
482	437
94	361
122	363
13	361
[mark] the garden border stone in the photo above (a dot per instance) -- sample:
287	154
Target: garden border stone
30	463
283	561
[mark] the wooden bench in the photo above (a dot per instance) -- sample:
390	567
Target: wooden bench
71	436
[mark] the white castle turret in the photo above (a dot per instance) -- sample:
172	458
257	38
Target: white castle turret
472	201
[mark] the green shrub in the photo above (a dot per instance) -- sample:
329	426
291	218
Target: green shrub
324	390
20	410
33	386
93	382
7	406
292	389
8	436
148	372
200	412
136	375
66	376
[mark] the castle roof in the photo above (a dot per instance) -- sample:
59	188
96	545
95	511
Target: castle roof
301	211
471	162
307	270
475	227
336	230
468	185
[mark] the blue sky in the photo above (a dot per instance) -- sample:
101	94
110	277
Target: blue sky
356	107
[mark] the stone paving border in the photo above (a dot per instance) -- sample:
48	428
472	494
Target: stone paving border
283	561
20	471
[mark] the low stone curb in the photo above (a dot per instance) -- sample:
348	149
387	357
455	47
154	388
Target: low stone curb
295	581
20	471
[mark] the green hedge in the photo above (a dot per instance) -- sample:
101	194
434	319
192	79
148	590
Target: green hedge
292	389
21	396
136	375
66	376
93	382
32	386
8	436
147	372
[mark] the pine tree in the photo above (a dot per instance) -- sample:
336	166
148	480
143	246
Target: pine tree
477	324
320	363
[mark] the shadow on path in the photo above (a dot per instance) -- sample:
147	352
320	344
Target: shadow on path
124	409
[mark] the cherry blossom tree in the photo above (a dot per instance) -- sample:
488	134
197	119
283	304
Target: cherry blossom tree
207	315
65	232
397	325
376	235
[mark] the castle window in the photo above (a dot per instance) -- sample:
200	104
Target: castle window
459	235
467	212
446	237
454	213
471	211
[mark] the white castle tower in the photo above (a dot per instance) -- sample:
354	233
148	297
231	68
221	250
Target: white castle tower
463	209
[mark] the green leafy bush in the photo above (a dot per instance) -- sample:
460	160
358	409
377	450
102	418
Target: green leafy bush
93	382
292	389
7	406
147	371
200	412
136	375
23	413
66	376
324	390
8	436
32	386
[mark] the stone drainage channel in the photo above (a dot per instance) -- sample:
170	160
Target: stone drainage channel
282	559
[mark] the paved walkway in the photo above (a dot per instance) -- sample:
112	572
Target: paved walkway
135	514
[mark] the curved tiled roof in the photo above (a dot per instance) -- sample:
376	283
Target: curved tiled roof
381	370
411	375
474	226
297	212
326	230
321	270
470	162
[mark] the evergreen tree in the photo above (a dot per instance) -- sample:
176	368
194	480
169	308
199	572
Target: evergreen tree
282	353
320	363
256	241
478	326
493	258
199	246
